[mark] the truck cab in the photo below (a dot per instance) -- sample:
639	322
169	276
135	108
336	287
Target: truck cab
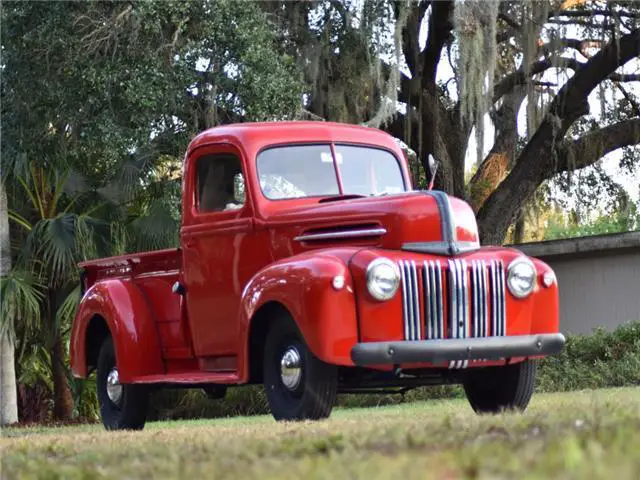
308	263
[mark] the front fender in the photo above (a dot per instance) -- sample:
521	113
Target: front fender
126	311
325	316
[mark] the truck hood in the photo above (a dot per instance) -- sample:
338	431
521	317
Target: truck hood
425	221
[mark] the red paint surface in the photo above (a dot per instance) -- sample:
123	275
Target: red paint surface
233	263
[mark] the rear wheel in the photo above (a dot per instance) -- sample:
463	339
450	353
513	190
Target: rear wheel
122	406
493	389
298	385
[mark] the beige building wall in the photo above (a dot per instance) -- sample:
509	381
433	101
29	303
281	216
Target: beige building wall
598	278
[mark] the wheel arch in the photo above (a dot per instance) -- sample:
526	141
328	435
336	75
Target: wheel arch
116	306
325	316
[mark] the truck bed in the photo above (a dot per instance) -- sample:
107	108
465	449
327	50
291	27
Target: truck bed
154	273
132	265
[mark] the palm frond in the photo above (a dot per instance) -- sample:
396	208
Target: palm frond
158	229
53	241
123	187
67	309
20	220
20	297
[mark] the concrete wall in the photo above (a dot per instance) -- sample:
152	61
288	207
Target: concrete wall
598	277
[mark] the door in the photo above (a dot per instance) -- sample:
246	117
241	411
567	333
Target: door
216	236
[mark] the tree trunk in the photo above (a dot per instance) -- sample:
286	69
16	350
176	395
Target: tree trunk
62	399
8	395
495	167
8	392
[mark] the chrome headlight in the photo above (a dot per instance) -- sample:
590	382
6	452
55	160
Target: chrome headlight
521	277
383	279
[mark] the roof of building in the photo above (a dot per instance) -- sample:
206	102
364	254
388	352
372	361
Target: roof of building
613	243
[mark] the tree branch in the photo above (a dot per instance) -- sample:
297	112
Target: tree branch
410	35
520	76
588	149
591	12
632	101
625	77
440	26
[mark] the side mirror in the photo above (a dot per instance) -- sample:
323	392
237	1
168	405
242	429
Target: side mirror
238	189
433	168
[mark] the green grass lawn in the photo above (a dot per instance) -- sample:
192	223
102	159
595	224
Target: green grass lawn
587	434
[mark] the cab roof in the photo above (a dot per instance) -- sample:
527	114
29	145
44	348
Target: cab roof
255	136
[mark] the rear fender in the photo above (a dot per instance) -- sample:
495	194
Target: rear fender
126	311
325	315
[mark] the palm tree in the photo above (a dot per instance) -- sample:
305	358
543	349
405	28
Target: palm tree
60	220
41	290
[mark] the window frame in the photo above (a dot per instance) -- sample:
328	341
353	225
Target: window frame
216	151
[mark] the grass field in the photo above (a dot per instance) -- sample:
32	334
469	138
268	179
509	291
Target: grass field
587	434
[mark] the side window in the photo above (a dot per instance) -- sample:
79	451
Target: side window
219	183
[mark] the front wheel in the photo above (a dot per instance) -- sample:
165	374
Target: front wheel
298	385
122	406
493	389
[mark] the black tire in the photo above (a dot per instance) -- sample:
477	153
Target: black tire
315	395
493	389
130	412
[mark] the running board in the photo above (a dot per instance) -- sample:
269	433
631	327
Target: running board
190	378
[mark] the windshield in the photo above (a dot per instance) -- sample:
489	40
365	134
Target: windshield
298	171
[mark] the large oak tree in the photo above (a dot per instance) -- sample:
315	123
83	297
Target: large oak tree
584	43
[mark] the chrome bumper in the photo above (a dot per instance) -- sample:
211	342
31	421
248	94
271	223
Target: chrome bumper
439	351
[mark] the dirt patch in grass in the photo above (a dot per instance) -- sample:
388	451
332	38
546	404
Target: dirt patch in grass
588	434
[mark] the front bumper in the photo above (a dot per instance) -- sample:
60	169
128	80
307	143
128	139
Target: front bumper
439	351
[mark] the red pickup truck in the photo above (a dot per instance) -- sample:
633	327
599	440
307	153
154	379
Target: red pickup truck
307	263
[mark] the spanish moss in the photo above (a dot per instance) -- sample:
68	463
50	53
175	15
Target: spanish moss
475	25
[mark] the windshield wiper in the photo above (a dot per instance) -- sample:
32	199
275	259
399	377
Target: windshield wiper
335	198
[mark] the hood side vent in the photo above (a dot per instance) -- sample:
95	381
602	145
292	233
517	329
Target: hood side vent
360	231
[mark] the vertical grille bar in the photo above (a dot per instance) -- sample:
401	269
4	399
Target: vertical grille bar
485	300
475	297
502	307
405	300
439	298
407	273
494	297
453	294
465	298
417	330
429	314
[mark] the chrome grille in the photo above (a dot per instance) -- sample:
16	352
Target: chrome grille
473	293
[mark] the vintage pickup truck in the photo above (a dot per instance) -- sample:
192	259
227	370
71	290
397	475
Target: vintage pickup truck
307	263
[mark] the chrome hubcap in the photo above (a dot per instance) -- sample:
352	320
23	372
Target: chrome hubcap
291	368
114	387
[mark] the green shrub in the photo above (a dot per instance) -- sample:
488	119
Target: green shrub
602	359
